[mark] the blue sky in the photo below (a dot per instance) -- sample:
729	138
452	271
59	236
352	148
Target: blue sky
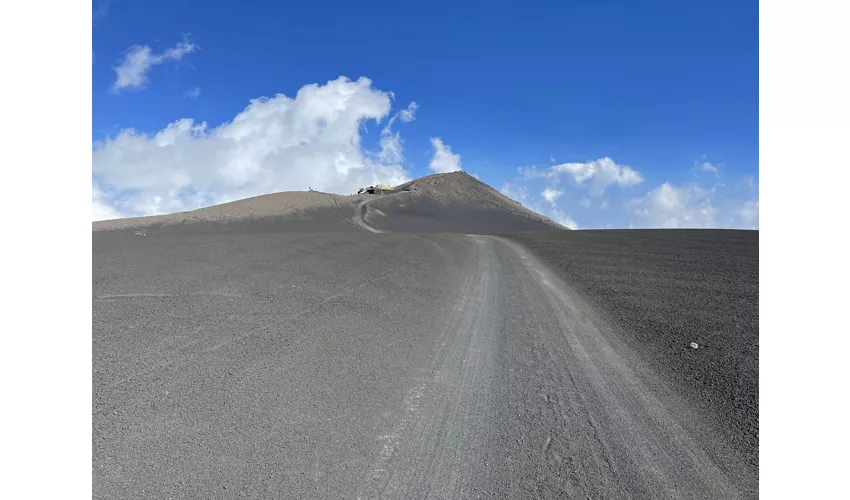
653	103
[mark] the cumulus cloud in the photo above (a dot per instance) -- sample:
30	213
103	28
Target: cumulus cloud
551	195
444	160
585	202
193	93
671	207
599	173
693	207
275	144
132	72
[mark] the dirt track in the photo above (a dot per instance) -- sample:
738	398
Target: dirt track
666	289
264	359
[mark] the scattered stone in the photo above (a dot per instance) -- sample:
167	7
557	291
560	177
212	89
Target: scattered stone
694	345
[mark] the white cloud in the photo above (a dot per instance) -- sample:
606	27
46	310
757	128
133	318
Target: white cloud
563	219
275	144
601	173
193	93
100	210
391	144
132	72
514	191
551	195
530	172
666	205
444	160
693	207
409	114
671	207
746	216
391	147
708	167
519	193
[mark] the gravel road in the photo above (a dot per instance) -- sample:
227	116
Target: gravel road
666	289
264	364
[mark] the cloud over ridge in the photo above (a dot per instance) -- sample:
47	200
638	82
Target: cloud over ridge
275	144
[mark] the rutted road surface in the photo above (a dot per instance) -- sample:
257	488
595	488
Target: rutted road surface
530	397
395	366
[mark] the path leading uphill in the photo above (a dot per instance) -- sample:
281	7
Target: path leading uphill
357	365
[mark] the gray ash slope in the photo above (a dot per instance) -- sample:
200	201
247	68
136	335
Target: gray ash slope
303	345
453	202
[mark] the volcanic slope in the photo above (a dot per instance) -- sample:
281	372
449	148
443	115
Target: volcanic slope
453	202
303	345
457	203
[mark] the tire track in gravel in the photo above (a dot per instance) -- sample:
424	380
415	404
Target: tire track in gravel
529	394
432	448
611	428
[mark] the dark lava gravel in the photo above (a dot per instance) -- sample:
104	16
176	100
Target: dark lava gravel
666	289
